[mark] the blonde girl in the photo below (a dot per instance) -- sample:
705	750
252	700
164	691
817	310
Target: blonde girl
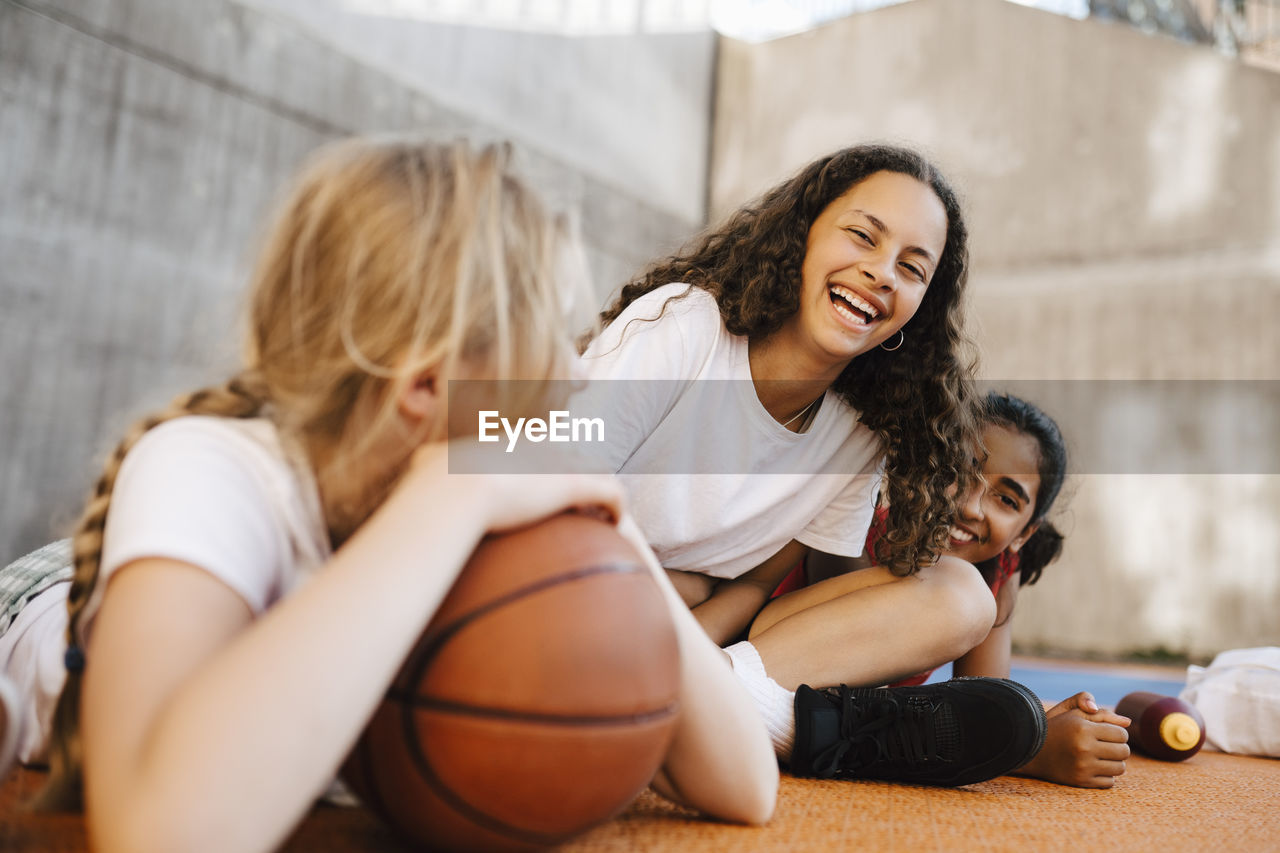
257	559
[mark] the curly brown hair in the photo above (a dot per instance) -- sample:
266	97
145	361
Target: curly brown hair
919	399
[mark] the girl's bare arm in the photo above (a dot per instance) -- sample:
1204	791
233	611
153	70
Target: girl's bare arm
693	588
206	730
720	761
733	603
991	656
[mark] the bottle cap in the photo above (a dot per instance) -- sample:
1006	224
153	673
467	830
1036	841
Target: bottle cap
1179	731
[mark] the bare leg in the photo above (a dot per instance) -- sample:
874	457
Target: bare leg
869	627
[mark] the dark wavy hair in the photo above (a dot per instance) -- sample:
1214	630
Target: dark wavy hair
919	399
1045	544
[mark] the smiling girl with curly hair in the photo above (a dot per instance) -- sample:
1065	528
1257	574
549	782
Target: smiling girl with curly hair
811	356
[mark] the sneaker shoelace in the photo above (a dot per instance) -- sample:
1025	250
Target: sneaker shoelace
881	728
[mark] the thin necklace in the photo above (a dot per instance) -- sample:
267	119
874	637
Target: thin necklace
801	412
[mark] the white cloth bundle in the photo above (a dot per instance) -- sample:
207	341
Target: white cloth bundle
1239	696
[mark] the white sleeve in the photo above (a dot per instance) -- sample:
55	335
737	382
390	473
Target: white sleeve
643	361
188	491
841	527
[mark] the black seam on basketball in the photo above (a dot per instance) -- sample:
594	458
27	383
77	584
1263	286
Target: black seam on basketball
432	644
445	706
427	649
427	652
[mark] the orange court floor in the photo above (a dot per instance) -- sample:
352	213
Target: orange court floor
1211	802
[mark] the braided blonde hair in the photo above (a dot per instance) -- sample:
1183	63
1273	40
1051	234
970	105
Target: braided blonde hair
386	258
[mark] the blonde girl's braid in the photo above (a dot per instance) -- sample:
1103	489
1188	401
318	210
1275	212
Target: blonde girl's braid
241	397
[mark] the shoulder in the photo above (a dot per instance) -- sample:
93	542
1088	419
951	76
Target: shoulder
221	460
205	460
220	494
183	450
232	434
676	297
675	307
207	445
209	430
671	332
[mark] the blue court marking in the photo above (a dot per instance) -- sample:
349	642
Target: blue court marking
1053	685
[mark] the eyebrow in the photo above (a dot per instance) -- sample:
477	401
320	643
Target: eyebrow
1013	486
879	224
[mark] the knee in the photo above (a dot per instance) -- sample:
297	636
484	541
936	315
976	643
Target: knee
963	601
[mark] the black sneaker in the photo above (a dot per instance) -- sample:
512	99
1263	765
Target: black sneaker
954	733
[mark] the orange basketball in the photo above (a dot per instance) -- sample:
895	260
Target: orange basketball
539	701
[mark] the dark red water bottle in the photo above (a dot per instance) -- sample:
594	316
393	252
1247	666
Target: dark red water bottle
1163	727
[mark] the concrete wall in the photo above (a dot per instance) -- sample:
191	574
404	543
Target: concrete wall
1123	193
628	107
140	144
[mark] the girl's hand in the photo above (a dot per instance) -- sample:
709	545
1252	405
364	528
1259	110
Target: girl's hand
1084	702
693	587
511	497
1086	745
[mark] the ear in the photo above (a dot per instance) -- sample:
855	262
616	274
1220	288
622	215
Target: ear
422	397
1027	533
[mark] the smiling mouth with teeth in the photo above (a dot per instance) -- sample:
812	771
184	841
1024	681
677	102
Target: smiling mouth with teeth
963	536
848	304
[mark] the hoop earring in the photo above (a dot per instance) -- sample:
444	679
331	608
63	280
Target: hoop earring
902	339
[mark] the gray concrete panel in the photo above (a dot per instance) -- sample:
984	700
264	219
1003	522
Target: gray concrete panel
627	106
1074	141
141	145
1123	196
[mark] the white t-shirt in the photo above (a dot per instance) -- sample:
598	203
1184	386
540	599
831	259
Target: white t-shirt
221	494
691	407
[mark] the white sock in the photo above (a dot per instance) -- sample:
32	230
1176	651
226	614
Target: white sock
775	703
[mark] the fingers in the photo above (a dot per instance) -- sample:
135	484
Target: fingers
1109	751
1097	772
1089	707
1085	702
593	494
527	498
1106	759
1108	733
599	513
1080	752
1082	701
1109	716
1109	770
